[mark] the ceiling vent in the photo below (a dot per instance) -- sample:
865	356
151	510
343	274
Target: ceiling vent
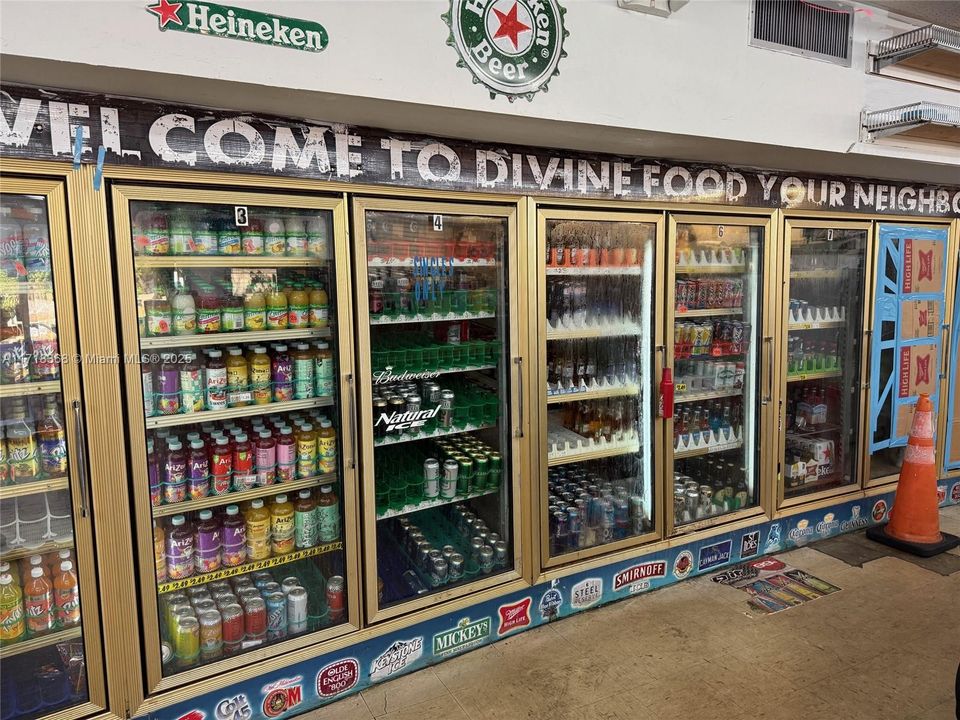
819	30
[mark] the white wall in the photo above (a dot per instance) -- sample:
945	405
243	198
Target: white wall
692	74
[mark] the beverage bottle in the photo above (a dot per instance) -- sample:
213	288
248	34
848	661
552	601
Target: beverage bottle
157	234
228	238
266	458
306	527
296	236
318	240
234	537
12	624
221	466
146	380
274	236
38	602
277	310
286	456
204	237
159	552
207	543
238	378
255	311
320	307
66	595
306	451
191	385
376	297
198	471
52	437
175	473
328	515
244	476
215	379
282	525
258	531
209	311
231	313
281	369
183	310
298	313
260	376
252	237
323	370
302	359
326	448
180	563
168	381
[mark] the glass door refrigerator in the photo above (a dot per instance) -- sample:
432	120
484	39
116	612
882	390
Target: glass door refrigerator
440	370
50	652
238	345
719	343
822	362
597	324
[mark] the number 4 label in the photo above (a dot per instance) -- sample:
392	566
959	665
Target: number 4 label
438	222
240	215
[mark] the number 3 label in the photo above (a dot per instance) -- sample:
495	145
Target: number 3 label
240	215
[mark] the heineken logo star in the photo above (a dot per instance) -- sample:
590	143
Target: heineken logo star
166	12
510	26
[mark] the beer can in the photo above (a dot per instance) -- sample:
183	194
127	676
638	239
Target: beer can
397	406
446	408
335	591
211	636
448	484
413	403
465	474
432	556
455	567
231	628
262	578
297	610
271	587
431	391
486	560
496	469
500	556
423	555
493	538
481	477
380	408
186	640
276	616
447	551
431	478
476	545
255	619
438	572
289	583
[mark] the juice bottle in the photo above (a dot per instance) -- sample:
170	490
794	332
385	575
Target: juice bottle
153	475
296	236
52	437
207	543
281	525
258	531
234	537
323	370
158	235
198	470
266	458
326	448
179	549
302	359
184	313
159	552
231	313
221	466
281	371
298	315
260	376
306	452
274	236
228	238
286	456
306	530
277	310
38	602
168	385
209	312
216	381
238	379
204	237
252	236
5	569
175	473
328	515
318	240
191	387
244	476
255	311
319	307
66	595
12	625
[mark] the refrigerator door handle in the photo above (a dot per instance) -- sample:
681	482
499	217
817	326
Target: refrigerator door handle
768	344
518	361
945	353
353	423
80	438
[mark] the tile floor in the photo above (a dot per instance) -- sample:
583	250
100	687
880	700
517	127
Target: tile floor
887	646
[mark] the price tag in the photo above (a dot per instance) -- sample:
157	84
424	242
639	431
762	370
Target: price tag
438	222
240	215
680	387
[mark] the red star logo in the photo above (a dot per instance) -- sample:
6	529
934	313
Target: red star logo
166	12
926	265
509	26
923	370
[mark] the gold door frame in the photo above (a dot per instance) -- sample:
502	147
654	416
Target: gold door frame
766	357
541	212
790	224
122	195
53	190
517	376
952	353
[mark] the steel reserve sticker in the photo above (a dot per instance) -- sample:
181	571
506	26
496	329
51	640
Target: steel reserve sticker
512	47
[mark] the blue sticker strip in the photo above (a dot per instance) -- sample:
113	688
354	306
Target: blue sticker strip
77	147
98	173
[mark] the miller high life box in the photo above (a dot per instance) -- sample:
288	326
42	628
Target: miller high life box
919	319
922	266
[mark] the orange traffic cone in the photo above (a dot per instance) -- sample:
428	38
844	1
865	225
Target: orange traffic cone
914	519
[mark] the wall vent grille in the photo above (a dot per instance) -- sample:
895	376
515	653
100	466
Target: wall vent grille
822	30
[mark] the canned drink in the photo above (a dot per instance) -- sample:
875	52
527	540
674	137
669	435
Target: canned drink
199	592
448	484
691	501
432	557
573	525
262	578
211	636
706	496
481	463
431	478
335	589
448	552
247	593
271	587
204	605
166	656
413	542
231	628
255	619
493	538
465	474
476	545
500	556
432	392
174	612
413	403
297	610
423	555
486	560
276	616
380	409
397	406
496	469
439	571
289	584
186	641
446	408
455	567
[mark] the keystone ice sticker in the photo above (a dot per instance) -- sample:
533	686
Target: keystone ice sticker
512	47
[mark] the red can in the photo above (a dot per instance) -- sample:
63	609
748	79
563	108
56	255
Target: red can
233	628
255	618
335	587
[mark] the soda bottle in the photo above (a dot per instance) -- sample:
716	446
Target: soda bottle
281	369
306	452
207	543
298	312
255	311
277	310
320	307
260	376
53	443
306	527
234	537
175	473
266	458
159	552
323	370
328	515
258	531
282	527
244	476
326	448
180	562
66	595
38	602
12	625
198	471
286	456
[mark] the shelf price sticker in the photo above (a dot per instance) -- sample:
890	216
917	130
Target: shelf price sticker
680	387
228	572
240	215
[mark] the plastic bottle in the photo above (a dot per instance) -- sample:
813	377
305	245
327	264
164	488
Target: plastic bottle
277	310
244	476
274	236
298	314
183	310
191	386
281	525
234	537
318	241
231	313
38	602
302	359
319	307
215	379
323	370
221	466
258	531
260	377
198	471
296	232
12	623
286	456
228	238
175	473
66	595
204	237
328	515
159	552
158	234
306	529
266	458
326	448
255	311
306	452
252	236
168	385
207	543
209	311
238	379
52	439
180	563
281	372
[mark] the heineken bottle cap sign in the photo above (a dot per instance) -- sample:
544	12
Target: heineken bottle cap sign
512	47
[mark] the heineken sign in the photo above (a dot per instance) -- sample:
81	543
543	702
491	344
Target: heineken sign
224	21
512	47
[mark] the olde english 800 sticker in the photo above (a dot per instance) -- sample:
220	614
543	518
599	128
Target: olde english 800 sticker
512	47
